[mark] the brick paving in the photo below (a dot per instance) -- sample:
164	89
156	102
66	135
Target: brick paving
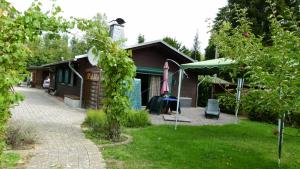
61	143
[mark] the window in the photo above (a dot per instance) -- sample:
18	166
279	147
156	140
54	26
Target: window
71	79
60	76
67	76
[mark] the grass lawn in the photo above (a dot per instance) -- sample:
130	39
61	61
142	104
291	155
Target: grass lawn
9	160
248	145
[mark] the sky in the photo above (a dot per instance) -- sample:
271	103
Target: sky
154	19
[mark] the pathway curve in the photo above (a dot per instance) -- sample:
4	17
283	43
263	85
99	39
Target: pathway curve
61	143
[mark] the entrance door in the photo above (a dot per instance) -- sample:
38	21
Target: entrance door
144	87
150	86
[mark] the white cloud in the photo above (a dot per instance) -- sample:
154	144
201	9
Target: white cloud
154	19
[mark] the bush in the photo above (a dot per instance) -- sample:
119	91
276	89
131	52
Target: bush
96	120
20	134
258	106
135	118
227	102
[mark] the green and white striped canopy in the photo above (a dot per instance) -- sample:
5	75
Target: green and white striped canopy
208	64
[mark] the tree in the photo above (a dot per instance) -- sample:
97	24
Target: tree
258	13
210	50
17	29
172	42
141	38
196	55
118	75
177	45
79	46
49	48
272	70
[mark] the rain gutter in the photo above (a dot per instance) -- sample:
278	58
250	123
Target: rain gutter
81	82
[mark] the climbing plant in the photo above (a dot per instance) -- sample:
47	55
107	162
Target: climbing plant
118	71
16	29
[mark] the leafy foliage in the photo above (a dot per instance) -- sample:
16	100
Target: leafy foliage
18	29
136	118
96	120
48	48
274	69
141	38
10	160
195	54
119	70
258	13
227	103
177	45
79	46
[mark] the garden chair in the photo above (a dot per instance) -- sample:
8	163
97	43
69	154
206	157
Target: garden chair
212	108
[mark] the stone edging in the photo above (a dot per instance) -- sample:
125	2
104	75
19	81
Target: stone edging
128	140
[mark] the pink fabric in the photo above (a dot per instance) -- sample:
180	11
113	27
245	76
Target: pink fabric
165	86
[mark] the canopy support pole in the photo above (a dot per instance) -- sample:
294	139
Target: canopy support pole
178	96
198	90
238	97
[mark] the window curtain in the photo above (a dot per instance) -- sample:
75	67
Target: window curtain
154	86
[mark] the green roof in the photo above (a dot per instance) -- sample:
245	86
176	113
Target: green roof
208	64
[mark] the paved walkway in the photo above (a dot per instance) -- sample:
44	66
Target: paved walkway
61	143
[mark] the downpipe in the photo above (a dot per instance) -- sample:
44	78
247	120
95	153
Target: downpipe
81	82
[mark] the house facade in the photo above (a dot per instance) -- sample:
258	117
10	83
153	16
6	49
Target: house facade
149	59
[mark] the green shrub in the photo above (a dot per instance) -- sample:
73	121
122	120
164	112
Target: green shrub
293	119
135	118
9	160
227	102
258	106
96	120
20	134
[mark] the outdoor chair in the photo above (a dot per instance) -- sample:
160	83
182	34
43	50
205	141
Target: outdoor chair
159	104
155	105
212	108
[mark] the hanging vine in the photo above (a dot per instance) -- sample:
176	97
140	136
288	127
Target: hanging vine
118	72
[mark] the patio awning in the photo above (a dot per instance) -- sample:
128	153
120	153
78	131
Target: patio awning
216	80
208	64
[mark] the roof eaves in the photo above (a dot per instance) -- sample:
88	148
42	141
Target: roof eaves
164	43
174	49
142	44
57	63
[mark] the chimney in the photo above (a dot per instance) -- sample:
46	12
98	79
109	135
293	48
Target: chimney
116	30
